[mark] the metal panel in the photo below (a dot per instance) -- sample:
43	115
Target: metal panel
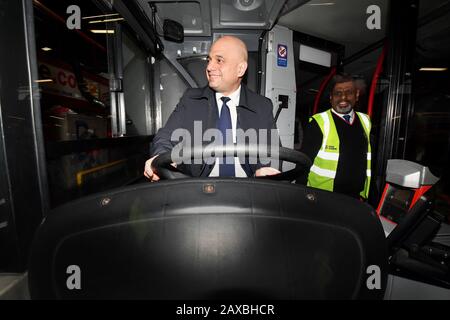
399	288
22	154
176	50
249	37
118	60
115	66
399	109
409	174
255	14
280	83
157	95
195	25
149	102
171	89
140	23
121	115
8	238
280	77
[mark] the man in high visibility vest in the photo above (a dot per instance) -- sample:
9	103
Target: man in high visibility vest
339	142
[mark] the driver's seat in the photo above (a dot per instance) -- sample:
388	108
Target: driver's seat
210	239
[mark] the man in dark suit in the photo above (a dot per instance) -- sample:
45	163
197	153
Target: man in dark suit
225	104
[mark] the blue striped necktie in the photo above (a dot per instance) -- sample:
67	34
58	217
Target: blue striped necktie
226	168
347	117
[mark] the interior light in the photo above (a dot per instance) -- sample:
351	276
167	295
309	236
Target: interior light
43	80
106	20
316	56
102	31
102	15
55	117
321	4
432	69
46	49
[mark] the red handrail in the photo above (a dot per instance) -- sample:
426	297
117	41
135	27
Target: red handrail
323	85
373	85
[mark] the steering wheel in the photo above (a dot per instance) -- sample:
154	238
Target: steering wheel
164	169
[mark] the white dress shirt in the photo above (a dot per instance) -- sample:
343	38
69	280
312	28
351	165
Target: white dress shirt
232	105
341	115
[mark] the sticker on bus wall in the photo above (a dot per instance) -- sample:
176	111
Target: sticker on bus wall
282	55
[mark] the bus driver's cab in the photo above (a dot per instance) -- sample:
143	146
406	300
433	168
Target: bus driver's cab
85	86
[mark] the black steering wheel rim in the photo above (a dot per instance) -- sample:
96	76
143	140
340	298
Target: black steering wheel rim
162	164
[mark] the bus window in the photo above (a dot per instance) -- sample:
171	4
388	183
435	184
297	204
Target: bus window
95	85
73	76
136	87
196	67
171	88
429	141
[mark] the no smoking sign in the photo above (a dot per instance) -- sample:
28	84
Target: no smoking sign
282	55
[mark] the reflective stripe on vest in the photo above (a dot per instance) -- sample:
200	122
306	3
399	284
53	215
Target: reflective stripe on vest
323	170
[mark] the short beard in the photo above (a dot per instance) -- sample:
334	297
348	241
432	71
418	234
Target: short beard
343	110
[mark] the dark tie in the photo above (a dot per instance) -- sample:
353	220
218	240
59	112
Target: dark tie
226	169
347	117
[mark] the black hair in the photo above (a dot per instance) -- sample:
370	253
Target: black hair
341	78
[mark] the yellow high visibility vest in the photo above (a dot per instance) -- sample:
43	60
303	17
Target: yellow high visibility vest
323	170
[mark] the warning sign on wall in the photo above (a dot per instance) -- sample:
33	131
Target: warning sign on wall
282	55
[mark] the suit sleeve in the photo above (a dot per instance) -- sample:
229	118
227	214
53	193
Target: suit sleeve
162	141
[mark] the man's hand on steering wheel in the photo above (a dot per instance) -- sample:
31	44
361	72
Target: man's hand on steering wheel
149	171
166	169
266	171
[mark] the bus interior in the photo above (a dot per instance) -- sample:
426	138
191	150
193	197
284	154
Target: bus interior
85	86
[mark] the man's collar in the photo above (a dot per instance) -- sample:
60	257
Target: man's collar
208	93
351	113
234	96
243	102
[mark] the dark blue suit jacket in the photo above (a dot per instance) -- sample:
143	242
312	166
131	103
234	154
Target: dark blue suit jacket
199	104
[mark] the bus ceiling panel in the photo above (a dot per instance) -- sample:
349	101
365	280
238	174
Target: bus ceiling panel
343	22
291	5
199	46
433	35
249	37
191	47
194	16
245	14
140	23
200	17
